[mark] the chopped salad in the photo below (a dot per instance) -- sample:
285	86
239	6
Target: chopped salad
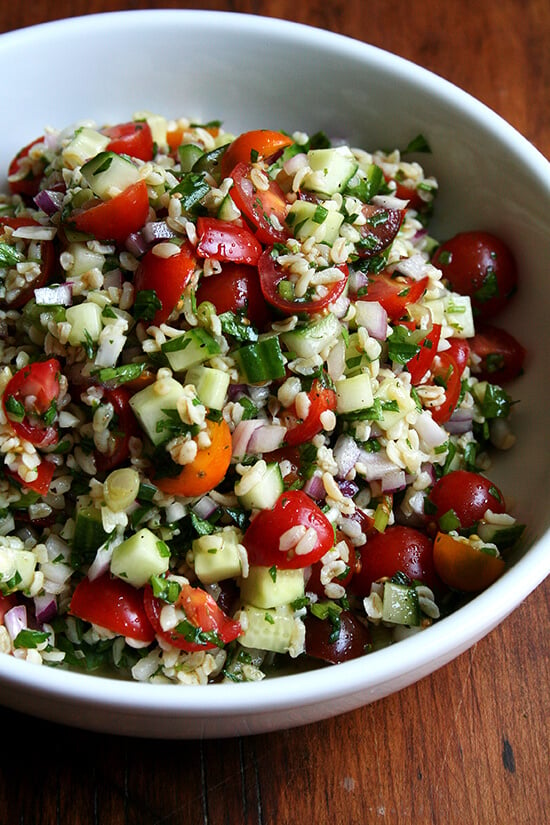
248	403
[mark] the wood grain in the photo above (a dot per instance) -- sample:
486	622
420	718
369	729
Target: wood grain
469	744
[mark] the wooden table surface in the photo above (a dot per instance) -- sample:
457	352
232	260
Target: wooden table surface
469	744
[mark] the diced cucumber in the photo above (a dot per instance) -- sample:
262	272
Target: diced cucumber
400	605
88	536
332	169
309	340
148	405
503	535
261	361
267	587
211	385
85	144
16	569
392	393
86	323
216	557
108	173
307	219
138	558
264	494
158	125
356	360
227	210
189	153
84	259
193	347
353	393
267	629
458	315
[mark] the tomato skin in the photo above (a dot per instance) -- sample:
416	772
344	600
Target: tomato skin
134	138
353	638
115	219
445	372
393	294
44	475
6	603
397	549
225	241
208	468
113	604
47	250
502	356
249	146
381	227
422	361
260	207
467	494
407	193
271	275
39	381
459	350
234	289
291	509
480	265
30	184
321	399
168	277
126	427
463	567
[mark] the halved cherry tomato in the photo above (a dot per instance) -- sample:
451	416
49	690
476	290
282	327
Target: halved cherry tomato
115	219
445	373
320	399
459	349
502	356
468	495
252	146
381	227
271	275
167	277
482	266
464	567
6	603
292	509
41	483
419	364
394	293
202	616
29	402
352	638
397	549
208	468
29	184
123	427
265	208
47	261
225	241
234	289
134	139
113	604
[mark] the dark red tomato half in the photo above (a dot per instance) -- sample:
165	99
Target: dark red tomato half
379	230
225	241
394	293
292	509
115	219
167	277
468	495
235	289
265	209
320	399
445	373
459	350
123	427
113	604
47	262
29	184
419	365
324	641
29	402
134	139
480	265
272	276
397	549
502	356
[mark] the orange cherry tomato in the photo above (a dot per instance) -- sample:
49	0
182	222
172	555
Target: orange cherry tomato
208	468
251	146
460	566
117	218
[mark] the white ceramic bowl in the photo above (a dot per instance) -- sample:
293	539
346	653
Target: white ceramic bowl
253	72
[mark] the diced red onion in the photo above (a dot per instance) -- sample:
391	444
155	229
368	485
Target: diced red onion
204	507
242	435
314	488
430	432
61	295
348	488
340	306
15	620
372	316
45	608
49	201
413	267
236	391
345	452
157	231
459	422
393	481
136	244
267	438
113	278
102	560
376	465
356	280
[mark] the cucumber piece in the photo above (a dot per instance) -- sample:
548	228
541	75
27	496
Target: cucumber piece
193	347
268	587
108	172
189	153
86	323
85	144
211	385
356	360
391	392
309	340
148	405
158	125
261	361
138	558
264	494
217	557
503	535
267	629
353	394
400	605
88	536
457	310
227	210
332	169
308	219
84	259
16	569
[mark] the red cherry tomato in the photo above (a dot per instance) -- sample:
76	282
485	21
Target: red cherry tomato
41	483
320	399
265	208
407	193
115	219
252	146
352	638
123	428
291	509
113	604
480	265
445	373
47	261
459	350
29	184
394	293
381	227
134	139
168	277
225	241
419	365
29	402
397	549
502	356
234	289
464	567
467	494
202	616
271	276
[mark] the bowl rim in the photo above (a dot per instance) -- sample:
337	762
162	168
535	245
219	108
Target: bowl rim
440	642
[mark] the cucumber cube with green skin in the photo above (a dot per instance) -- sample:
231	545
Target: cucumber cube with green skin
267	629
311	339
85	144
16	569
83	259
86	323
267	587
193	347
216	557
332	169
266	491
109	173
149	405
138	558
211	385
392	391
308	219
353	394
400	605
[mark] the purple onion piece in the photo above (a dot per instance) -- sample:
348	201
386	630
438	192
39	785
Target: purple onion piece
45	608
348	488
136	244
315	488
266	438
15	620
204	507
49	201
